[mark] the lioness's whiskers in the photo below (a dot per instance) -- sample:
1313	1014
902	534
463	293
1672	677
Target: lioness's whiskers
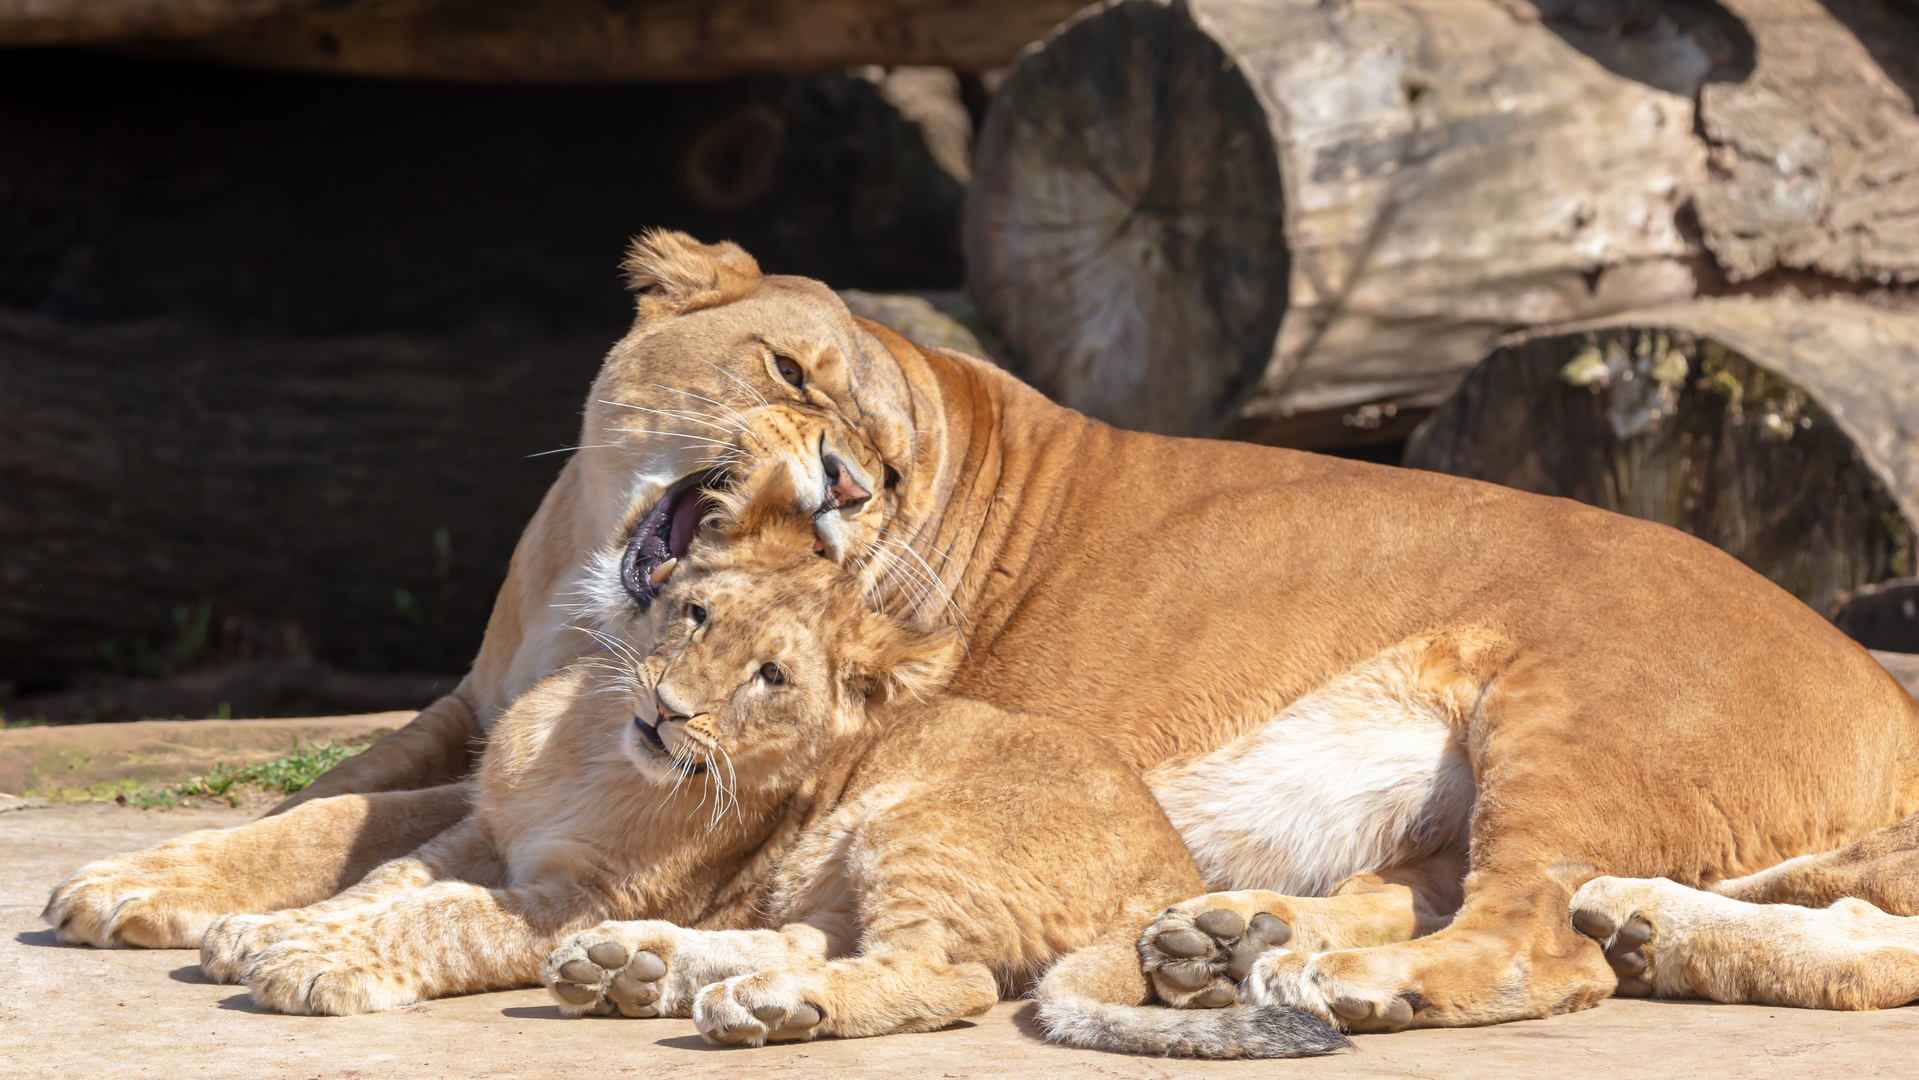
570	449
675	414
674	434
749	389
738	417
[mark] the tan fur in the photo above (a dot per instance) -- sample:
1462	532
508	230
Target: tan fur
820	850
1657	709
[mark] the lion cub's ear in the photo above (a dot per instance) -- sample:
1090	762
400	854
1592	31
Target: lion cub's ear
896	660
675	274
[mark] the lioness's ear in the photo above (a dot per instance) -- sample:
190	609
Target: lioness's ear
906	662
675	274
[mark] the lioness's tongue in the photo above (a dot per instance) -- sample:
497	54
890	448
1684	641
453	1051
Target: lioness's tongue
683	524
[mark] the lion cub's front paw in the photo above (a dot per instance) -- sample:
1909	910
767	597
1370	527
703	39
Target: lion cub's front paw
317	977
233	941
1197	952
616	969
751	1010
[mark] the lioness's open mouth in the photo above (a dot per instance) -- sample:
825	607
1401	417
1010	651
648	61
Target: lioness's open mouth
665	533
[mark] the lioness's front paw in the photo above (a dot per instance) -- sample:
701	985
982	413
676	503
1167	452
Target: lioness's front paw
751	1010
318	977
233	941
617	969
126	900
1197	952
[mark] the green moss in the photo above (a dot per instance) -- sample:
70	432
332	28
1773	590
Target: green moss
225	783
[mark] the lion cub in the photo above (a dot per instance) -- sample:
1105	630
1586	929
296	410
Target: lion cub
817	839
924	851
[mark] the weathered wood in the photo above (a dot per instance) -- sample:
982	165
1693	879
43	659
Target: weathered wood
1785	432
563	41
1815	158
264	336
1441	172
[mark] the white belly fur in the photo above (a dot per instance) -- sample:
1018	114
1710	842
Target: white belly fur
1362	774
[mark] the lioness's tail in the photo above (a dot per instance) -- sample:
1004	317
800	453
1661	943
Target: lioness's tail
1094	998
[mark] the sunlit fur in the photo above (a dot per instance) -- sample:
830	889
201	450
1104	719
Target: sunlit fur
1640	703
818	843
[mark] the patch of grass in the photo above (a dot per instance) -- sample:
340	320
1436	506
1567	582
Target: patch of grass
227	783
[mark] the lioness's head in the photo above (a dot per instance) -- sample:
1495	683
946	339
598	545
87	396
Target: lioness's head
767	657
726	371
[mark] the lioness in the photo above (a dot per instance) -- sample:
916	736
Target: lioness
1338	678
781	765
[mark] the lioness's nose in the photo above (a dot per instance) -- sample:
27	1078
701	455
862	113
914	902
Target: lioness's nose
843	490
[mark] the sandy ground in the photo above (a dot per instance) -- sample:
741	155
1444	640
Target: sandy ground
78	1012
74	761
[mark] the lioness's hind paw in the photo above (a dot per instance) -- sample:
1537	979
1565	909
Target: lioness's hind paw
597	974
1196	953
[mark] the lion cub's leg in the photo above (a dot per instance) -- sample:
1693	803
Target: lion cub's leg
1881	869
1197	951
232	942
652	968
1666	939
906	985
166	896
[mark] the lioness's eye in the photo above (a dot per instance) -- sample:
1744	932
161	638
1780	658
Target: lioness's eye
697	614
772	674
790	371
892	477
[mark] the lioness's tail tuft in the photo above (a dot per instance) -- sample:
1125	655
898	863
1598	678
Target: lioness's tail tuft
1243	1031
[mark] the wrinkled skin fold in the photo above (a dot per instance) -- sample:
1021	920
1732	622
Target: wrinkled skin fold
1488	708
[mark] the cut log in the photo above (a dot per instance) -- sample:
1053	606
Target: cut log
274	348
1785	432
555	41
1406	181
1884	616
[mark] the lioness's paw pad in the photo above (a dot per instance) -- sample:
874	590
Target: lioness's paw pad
1197	952
751	1010
1616	913
595	974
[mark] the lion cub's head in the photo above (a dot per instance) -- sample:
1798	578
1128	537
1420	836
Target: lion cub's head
767	657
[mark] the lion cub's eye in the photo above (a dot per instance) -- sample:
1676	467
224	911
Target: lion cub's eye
772	674
697	614
790	371
892	477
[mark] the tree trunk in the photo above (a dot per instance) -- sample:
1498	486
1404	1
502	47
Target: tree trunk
555	41
1300	223
1785	432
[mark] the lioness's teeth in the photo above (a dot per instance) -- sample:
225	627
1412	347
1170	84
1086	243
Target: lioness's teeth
662	572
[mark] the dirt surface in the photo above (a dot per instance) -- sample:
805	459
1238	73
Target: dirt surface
104	759
79	1012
